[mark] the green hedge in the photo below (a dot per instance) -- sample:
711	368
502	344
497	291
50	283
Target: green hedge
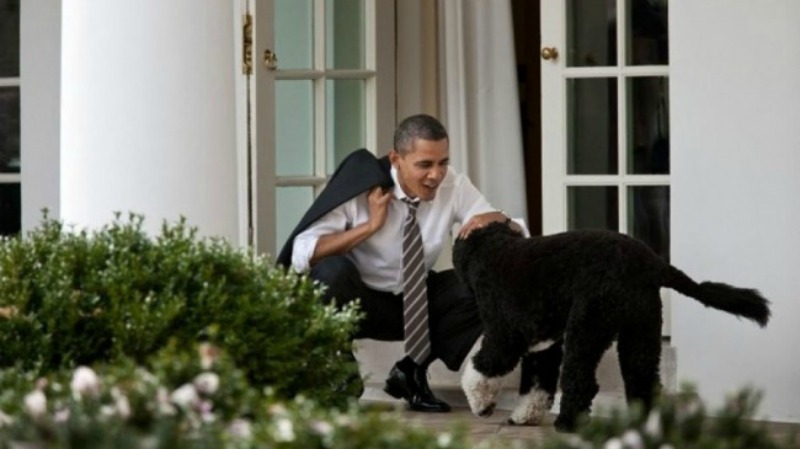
70	297
680	421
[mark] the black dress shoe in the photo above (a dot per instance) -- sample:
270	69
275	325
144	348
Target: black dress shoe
353	385
409	381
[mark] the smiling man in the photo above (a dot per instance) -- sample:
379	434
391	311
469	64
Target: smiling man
381	244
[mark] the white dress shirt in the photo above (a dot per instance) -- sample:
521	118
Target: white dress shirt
379	258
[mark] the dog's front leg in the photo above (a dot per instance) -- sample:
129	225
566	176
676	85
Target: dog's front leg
485	373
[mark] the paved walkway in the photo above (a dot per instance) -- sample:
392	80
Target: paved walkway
493	427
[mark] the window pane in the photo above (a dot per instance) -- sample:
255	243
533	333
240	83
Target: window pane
648	125
9	38
294	33
9	130
592	126
10	209
345	119
344	25
591	33
294	128
647	32
648	216
595	207
292	203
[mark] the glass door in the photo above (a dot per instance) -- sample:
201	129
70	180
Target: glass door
321	93
605	118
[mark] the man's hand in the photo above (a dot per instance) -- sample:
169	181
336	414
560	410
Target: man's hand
480	221
344	241
378	208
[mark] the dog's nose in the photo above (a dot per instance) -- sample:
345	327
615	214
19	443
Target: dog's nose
487	411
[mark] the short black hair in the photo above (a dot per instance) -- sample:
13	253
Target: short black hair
420	126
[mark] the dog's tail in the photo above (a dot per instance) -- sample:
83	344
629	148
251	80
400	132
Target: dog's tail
742	302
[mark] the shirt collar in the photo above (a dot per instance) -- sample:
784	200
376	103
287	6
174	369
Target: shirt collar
397	190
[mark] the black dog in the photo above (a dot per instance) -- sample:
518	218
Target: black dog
568	296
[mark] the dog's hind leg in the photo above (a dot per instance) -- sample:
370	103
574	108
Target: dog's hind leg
586	339
538	383
639	349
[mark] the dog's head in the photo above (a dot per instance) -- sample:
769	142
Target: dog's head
472	248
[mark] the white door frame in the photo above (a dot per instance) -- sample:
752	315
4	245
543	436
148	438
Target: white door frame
555	126
260	182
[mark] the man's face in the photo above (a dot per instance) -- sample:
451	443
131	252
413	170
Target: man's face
422	169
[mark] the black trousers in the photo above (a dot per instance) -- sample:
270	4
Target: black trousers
452	312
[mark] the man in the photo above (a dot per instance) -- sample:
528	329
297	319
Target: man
361	247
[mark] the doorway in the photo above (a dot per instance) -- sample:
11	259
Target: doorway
322	89
527	43
594	101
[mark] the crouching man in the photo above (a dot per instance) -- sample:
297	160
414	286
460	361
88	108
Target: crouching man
376	231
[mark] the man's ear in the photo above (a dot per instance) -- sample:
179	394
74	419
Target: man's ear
394	157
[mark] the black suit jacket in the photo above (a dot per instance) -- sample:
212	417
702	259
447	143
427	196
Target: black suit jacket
358	172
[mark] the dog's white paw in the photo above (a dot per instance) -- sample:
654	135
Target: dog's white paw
481	391
531	408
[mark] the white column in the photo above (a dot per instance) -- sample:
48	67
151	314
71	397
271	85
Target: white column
40	65
148	113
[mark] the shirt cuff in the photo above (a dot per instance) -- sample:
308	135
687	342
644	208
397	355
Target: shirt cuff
302	252
525	232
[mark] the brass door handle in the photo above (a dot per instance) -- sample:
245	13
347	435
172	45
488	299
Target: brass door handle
549	53
270	59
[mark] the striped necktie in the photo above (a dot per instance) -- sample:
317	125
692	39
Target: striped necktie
415	295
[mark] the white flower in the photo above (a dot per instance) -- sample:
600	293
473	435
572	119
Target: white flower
322	428
165	406
107	411
185	396
122	406
5	419
652	426
208	355
205	409
35	403
444	439
147	376
343	421
575	441
277	409
633	440
61	415
614	443
42	383
206	383
84	382
285	430
8	312
240	429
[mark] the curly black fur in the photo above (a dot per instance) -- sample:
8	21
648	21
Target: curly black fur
582	289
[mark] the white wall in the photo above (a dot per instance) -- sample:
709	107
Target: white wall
148	113
735	94
40	65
